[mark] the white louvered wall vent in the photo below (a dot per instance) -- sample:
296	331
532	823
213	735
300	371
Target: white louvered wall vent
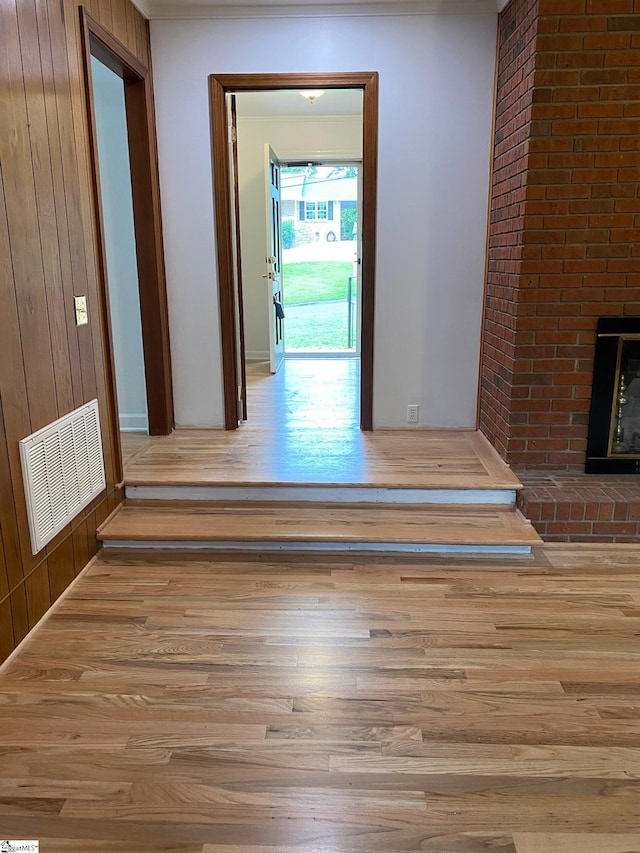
63	470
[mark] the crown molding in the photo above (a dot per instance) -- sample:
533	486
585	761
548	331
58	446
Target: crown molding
167	11
341	156
144	7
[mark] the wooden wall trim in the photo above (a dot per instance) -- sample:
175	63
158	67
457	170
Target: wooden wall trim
238	255
106	47
369	219
150	254
226	286
219	85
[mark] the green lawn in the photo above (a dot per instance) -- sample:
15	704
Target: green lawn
315	281
318	327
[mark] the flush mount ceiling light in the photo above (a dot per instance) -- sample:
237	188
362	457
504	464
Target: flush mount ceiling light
311	94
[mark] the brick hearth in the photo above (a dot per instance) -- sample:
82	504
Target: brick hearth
572	507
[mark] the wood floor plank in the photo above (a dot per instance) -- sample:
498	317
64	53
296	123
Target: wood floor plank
471	843
321	704
561	842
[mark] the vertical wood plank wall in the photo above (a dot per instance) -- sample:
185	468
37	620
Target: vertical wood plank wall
48	366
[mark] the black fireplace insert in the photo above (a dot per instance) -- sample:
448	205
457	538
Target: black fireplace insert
613	445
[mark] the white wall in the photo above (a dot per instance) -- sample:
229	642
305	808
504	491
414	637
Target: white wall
120	246
291	138
436	97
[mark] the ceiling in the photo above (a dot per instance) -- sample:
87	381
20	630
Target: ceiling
181	9
334	102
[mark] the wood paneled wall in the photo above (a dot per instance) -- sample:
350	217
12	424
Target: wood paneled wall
48	366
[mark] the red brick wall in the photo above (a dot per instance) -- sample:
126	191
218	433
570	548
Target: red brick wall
516	65
579	236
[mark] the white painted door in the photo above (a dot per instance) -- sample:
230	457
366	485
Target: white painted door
273	275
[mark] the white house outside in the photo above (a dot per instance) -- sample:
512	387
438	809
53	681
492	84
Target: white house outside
320	203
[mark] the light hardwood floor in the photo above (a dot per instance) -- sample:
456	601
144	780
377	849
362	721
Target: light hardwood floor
131	443
458	459
305	393
305	431
331	706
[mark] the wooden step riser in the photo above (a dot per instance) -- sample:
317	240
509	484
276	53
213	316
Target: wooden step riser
334	494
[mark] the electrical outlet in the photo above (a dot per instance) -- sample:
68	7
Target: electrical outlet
413	414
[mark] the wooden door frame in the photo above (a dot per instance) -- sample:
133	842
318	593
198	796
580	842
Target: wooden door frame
238	256
219	86
145	189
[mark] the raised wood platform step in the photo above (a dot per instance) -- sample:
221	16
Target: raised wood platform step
420	460
323	527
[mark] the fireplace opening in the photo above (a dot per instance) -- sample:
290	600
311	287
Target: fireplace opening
613	445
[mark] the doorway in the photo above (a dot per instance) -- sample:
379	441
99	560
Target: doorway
320	260
228	280
120	247
127	214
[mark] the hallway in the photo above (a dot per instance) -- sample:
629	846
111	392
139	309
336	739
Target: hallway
306	393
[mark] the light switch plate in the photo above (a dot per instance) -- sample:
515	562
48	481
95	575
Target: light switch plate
82	318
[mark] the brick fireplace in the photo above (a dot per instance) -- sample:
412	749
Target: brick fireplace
564	246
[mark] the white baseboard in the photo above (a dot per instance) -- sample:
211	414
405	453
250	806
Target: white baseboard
133	422
256	355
